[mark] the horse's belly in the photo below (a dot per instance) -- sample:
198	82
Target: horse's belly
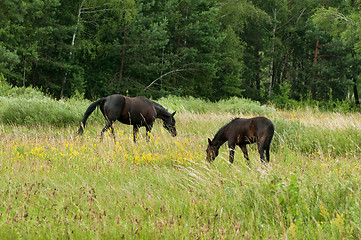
134	119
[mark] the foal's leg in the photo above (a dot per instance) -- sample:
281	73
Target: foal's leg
267	153
231	147
267	145
245	153
260	145
135	132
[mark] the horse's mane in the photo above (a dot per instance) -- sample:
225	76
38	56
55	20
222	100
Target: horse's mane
222	129
159	107
155	104
161	111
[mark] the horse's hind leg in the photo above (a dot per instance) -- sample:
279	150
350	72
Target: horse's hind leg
106	127
112	129
111	117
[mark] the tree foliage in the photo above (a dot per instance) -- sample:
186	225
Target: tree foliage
213	49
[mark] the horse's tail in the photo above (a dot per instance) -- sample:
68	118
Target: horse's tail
87	113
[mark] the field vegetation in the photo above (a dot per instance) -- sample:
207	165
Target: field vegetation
57	185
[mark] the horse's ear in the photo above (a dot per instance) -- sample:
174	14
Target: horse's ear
209	141
173	113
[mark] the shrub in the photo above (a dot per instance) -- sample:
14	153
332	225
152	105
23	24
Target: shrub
312	139
232	105
30	106
5	88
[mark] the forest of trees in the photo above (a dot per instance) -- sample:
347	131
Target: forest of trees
213	49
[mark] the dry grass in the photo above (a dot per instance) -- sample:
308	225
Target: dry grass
329	120
55	185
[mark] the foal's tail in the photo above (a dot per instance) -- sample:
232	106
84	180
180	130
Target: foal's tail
87	113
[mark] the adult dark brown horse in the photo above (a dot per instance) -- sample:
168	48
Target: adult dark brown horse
243	131
137	111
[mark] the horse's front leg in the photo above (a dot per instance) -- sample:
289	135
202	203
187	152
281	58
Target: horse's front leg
245	153
231	147
148	129
135	132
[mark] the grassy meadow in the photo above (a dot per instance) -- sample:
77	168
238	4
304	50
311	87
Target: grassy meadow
57	185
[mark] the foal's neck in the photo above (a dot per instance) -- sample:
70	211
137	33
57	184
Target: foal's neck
219	139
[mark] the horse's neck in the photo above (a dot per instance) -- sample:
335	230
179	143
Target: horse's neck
161	112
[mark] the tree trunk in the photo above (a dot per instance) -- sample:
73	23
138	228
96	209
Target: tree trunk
355	92
24	72
123	56
313	87
72	45
271	75
258	77
285	66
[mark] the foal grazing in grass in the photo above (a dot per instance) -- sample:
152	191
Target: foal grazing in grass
137	111
243	131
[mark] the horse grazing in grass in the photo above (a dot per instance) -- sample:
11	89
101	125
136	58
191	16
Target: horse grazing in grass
243	131
137	111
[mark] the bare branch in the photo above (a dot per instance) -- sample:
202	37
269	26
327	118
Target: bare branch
162	76
96	11
342	17
93	7
298	19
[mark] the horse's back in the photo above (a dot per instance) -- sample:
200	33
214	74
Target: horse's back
140	105
115	100
138	111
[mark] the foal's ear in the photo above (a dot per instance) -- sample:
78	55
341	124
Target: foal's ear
173	113
209	141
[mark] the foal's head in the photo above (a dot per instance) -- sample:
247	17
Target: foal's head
212	151
169	124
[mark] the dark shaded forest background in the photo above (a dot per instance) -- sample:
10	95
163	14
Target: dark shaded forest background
212	49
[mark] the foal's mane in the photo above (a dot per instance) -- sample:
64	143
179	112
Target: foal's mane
222	129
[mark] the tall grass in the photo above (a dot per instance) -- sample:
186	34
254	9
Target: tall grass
31	107
56	185
232	105
312	139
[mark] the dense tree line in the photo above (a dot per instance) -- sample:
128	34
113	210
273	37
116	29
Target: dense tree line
212	49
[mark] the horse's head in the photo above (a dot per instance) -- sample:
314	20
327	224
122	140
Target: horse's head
169	124
212	151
